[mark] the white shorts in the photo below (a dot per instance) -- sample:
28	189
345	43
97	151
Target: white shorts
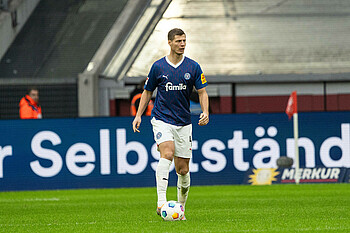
181	135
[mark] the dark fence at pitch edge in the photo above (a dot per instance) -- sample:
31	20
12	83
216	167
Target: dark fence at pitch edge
57	101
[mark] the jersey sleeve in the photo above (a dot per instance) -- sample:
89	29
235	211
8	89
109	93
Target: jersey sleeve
200	81
151	81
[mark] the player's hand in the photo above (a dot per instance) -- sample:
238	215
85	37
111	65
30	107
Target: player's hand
136	124
203	119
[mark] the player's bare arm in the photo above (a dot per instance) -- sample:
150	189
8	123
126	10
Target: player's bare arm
204	102
145	98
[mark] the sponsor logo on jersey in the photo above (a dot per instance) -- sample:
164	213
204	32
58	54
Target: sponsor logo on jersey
170	87
187	76
165	76
146	81
203	78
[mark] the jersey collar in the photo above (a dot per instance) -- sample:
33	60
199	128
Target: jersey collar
172	64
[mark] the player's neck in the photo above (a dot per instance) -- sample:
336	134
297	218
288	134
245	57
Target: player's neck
175	58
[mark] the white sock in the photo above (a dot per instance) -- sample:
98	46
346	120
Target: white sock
162	176
183	186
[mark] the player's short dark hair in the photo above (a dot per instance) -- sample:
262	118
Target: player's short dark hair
175	32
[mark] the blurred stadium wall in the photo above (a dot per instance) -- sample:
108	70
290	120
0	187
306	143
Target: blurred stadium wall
86	56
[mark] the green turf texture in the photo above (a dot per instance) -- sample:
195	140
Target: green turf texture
276	208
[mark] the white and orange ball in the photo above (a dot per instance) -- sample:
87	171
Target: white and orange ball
172	211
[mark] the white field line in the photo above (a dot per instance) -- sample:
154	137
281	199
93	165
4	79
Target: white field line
31	199
297	229
42	199
46	224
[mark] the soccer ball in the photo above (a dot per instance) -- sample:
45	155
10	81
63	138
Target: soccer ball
172	211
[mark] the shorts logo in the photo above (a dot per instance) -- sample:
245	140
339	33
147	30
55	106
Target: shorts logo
187	76
159	135
203	78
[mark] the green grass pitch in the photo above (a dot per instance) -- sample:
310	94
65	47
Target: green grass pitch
240	208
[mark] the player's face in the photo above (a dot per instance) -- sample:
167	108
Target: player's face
34	94
178	44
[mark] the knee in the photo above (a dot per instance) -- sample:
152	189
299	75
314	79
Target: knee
183	171
168	155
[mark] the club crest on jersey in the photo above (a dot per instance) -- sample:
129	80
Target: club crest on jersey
187	76
203	78
170	87
159	135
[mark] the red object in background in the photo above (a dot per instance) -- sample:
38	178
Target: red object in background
292	105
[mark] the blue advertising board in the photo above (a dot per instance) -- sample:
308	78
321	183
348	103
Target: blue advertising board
266	176
347	176
105	152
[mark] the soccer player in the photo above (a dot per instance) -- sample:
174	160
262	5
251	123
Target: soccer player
175	76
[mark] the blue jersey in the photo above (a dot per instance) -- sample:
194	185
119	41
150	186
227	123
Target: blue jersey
175	85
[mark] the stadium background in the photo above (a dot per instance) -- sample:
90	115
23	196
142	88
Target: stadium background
86	56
